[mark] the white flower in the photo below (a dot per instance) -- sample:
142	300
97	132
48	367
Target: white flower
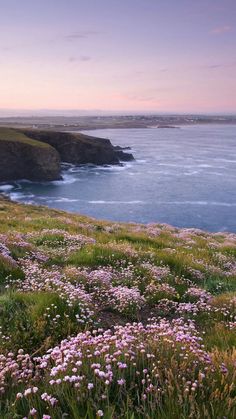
27	391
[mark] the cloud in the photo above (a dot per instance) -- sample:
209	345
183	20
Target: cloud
10	48
81	58
214	66
146	96
220	65
85	58
7	48
83	34
221	29
80	35
139	98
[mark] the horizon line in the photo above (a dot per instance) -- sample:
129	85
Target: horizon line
101	112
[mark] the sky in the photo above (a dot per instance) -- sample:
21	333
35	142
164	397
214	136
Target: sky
173	56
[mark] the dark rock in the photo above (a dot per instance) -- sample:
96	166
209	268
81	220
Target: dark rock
80	148
124	156
32	161
118	148
168	126
37	155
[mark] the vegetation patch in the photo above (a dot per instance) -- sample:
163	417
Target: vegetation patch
10	134
114	320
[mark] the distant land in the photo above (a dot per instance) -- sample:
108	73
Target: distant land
89	122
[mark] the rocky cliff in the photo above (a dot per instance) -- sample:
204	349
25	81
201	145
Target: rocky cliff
80	148
23	158
37	155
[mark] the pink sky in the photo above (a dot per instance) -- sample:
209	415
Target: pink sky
118	56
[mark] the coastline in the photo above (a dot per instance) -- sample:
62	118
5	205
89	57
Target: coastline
84	123
172	180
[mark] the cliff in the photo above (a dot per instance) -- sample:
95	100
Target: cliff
80	148
24	158
37	155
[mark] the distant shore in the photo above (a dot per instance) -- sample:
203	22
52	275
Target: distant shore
79	123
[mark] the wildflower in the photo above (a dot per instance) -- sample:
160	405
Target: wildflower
122	365
27	392
223	368
44	396
100	413
121	382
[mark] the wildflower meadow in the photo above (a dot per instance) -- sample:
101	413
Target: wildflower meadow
113	320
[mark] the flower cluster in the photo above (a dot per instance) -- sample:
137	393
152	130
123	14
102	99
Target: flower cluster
95	364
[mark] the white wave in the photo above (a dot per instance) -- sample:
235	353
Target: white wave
205	165
75	170
66	180
175	165
66	165
27	181
16	196
115	202
191	166
5	188
194	172
114	168
224	160
63	200
206	203
217	174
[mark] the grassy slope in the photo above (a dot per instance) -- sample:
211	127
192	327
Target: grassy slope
179	275
9	134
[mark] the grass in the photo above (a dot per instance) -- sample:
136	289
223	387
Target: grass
10	134
81	138
114	320
30	319
7	269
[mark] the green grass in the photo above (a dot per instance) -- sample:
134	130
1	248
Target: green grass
10	134
29	320
8	270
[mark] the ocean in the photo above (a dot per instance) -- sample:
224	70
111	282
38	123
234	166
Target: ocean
185	177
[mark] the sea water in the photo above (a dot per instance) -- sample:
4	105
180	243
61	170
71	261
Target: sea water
184	176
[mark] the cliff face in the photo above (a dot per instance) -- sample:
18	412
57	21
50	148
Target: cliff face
80	148
23	159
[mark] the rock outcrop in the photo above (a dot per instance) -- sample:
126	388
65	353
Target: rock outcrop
21	158
80	148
